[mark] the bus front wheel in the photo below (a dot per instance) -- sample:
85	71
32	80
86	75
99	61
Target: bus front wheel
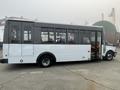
45	61
109	56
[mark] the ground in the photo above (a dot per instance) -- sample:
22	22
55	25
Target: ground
102	75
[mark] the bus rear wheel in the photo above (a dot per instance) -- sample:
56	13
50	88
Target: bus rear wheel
45	61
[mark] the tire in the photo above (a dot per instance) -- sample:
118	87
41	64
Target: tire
109	56
45	61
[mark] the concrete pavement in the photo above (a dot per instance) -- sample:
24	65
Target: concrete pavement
103	75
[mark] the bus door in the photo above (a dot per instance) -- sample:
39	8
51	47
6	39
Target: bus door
14	40
99	44
27	39
96	45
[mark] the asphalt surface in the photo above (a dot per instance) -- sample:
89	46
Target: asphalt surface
102	75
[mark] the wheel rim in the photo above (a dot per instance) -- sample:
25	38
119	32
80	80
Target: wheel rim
46	62
109	56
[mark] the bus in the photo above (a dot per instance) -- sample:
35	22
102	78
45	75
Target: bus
28	42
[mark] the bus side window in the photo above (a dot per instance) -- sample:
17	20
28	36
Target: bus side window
60	38
86	40
47	35
15	34
86	37
73	37
27	34
44	37
51	37
99	37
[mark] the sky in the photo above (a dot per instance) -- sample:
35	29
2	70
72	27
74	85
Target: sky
60	11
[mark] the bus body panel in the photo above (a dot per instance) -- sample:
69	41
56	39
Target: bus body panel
21	60
14	50
63	53
27	49
5	51
109	48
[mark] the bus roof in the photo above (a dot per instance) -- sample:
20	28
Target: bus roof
56	25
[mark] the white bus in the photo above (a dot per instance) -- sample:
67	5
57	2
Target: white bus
46	43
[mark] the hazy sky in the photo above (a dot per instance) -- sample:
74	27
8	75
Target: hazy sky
60	11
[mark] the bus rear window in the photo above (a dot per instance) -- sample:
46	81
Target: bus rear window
1	36
1	33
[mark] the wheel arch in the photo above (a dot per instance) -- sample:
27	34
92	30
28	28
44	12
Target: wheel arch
46	53
109	51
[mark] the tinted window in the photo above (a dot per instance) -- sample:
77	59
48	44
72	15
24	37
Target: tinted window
86	37
51	37
15	33
99	37
60	37
73	37
47	35
44	37
27	34
1	34
93	39
92	36
37	35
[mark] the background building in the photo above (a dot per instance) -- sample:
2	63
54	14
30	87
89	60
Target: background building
111	34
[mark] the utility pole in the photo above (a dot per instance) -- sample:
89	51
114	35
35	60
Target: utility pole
113	16
102	15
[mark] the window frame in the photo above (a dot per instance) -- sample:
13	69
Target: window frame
47	29
81	33
24	26
61	30
73	31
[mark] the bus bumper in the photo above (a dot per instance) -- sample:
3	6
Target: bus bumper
3	60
